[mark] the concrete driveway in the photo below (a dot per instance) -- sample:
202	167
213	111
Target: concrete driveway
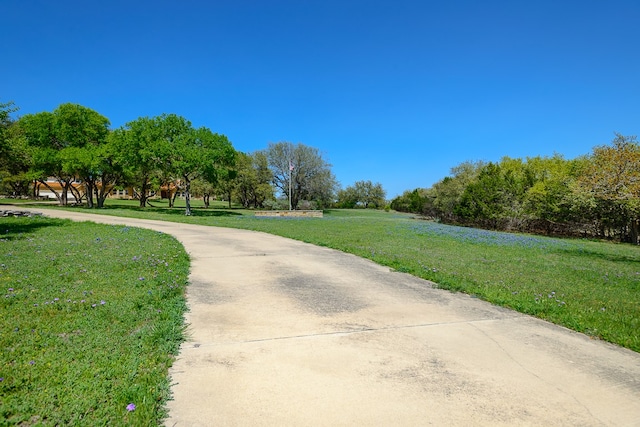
284	333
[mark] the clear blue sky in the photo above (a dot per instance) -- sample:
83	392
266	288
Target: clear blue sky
396	92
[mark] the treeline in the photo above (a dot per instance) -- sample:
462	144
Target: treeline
161	155
595	195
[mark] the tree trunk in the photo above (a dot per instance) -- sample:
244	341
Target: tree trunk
55	193
634	231
89	189
172	198
76	193
102	192
187	195
143	194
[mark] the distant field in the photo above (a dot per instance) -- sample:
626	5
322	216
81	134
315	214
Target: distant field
588	286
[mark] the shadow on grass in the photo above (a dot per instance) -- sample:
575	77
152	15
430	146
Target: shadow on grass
13	228
199	212
585	253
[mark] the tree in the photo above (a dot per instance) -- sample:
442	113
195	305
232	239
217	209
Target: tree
5	123
489	201
347	198
204	189
198	153
169	146
60	141
252	184
550	200
15	161
441	200
141	150
411	201
362	193
310	175
613	178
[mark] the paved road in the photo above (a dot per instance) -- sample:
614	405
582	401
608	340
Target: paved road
283	333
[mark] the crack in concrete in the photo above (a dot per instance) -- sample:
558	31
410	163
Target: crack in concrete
345	333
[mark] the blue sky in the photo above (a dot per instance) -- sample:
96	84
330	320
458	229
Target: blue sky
396	92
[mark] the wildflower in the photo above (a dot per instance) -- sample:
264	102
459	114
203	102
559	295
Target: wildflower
1	379
131	407
103	302
10	289
32	362
93	305
56	299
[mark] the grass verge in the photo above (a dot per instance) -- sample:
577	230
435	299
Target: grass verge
92	317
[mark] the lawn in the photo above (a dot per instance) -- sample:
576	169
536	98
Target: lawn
92	318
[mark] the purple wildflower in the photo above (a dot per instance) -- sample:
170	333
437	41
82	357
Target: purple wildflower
32	362
103	302
131	407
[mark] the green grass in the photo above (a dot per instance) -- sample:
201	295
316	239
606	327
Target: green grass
92	317
589	286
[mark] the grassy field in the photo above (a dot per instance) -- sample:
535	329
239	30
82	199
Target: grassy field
91	320
588	286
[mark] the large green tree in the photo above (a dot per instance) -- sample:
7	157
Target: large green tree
168	146
59	142
141	149
198	153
